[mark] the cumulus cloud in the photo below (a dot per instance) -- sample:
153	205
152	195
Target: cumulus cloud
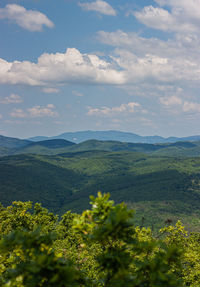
177	102
39	111
28	19
99	6
12	99
149	68
184	16
152	62
148	60
131	107
176	59
171	101
69	67
178	47
35	112
135	59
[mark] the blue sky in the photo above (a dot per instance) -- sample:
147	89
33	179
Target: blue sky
72	65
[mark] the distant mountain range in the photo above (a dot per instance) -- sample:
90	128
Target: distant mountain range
78	137
101	140
13	146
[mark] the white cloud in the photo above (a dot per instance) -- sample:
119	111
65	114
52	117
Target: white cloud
151	16
1	116
181	104
148	68
109	112
171	101
50	90
28	19
69	67
191	107
99	6
176	47
172	61
35	112
191	7
135	59
18	113
12	99
184	16
39	111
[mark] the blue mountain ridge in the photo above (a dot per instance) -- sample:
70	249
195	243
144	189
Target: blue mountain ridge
80	136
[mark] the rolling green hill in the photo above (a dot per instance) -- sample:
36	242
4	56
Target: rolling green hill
46	147
9	142
49	147
11	146
159	188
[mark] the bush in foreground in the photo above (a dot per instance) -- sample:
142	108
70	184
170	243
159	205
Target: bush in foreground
101	247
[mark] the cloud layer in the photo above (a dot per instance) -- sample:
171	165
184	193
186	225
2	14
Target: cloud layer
177	104
176	60
12	99
134	61
131	107
28	19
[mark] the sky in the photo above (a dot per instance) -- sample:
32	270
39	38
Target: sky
68	65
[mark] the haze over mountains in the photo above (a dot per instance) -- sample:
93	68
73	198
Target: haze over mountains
81	136
105	141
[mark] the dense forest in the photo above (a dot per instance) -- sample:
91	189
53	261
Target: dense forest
157	187
100	247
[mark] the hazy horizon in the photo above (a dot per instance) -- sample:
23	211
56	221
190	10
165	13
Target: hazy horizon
58	134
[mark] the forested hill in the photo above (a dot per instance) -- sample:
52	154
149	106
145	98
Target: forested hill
60	146
158	188
9	142
160	181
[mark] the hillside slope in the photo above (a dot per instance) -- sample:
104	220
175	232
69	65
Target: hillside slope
53	147
9	142
157	187
46	147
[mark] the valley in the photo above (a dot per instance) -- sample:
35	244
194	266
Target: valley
61	175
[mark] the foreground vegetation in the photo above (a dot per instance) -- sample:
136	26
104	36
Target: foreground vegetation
101	247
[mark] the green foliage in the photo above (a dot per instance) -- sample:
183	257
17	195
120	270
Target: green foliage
177	235
125	260
35	263
23	215
101	247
